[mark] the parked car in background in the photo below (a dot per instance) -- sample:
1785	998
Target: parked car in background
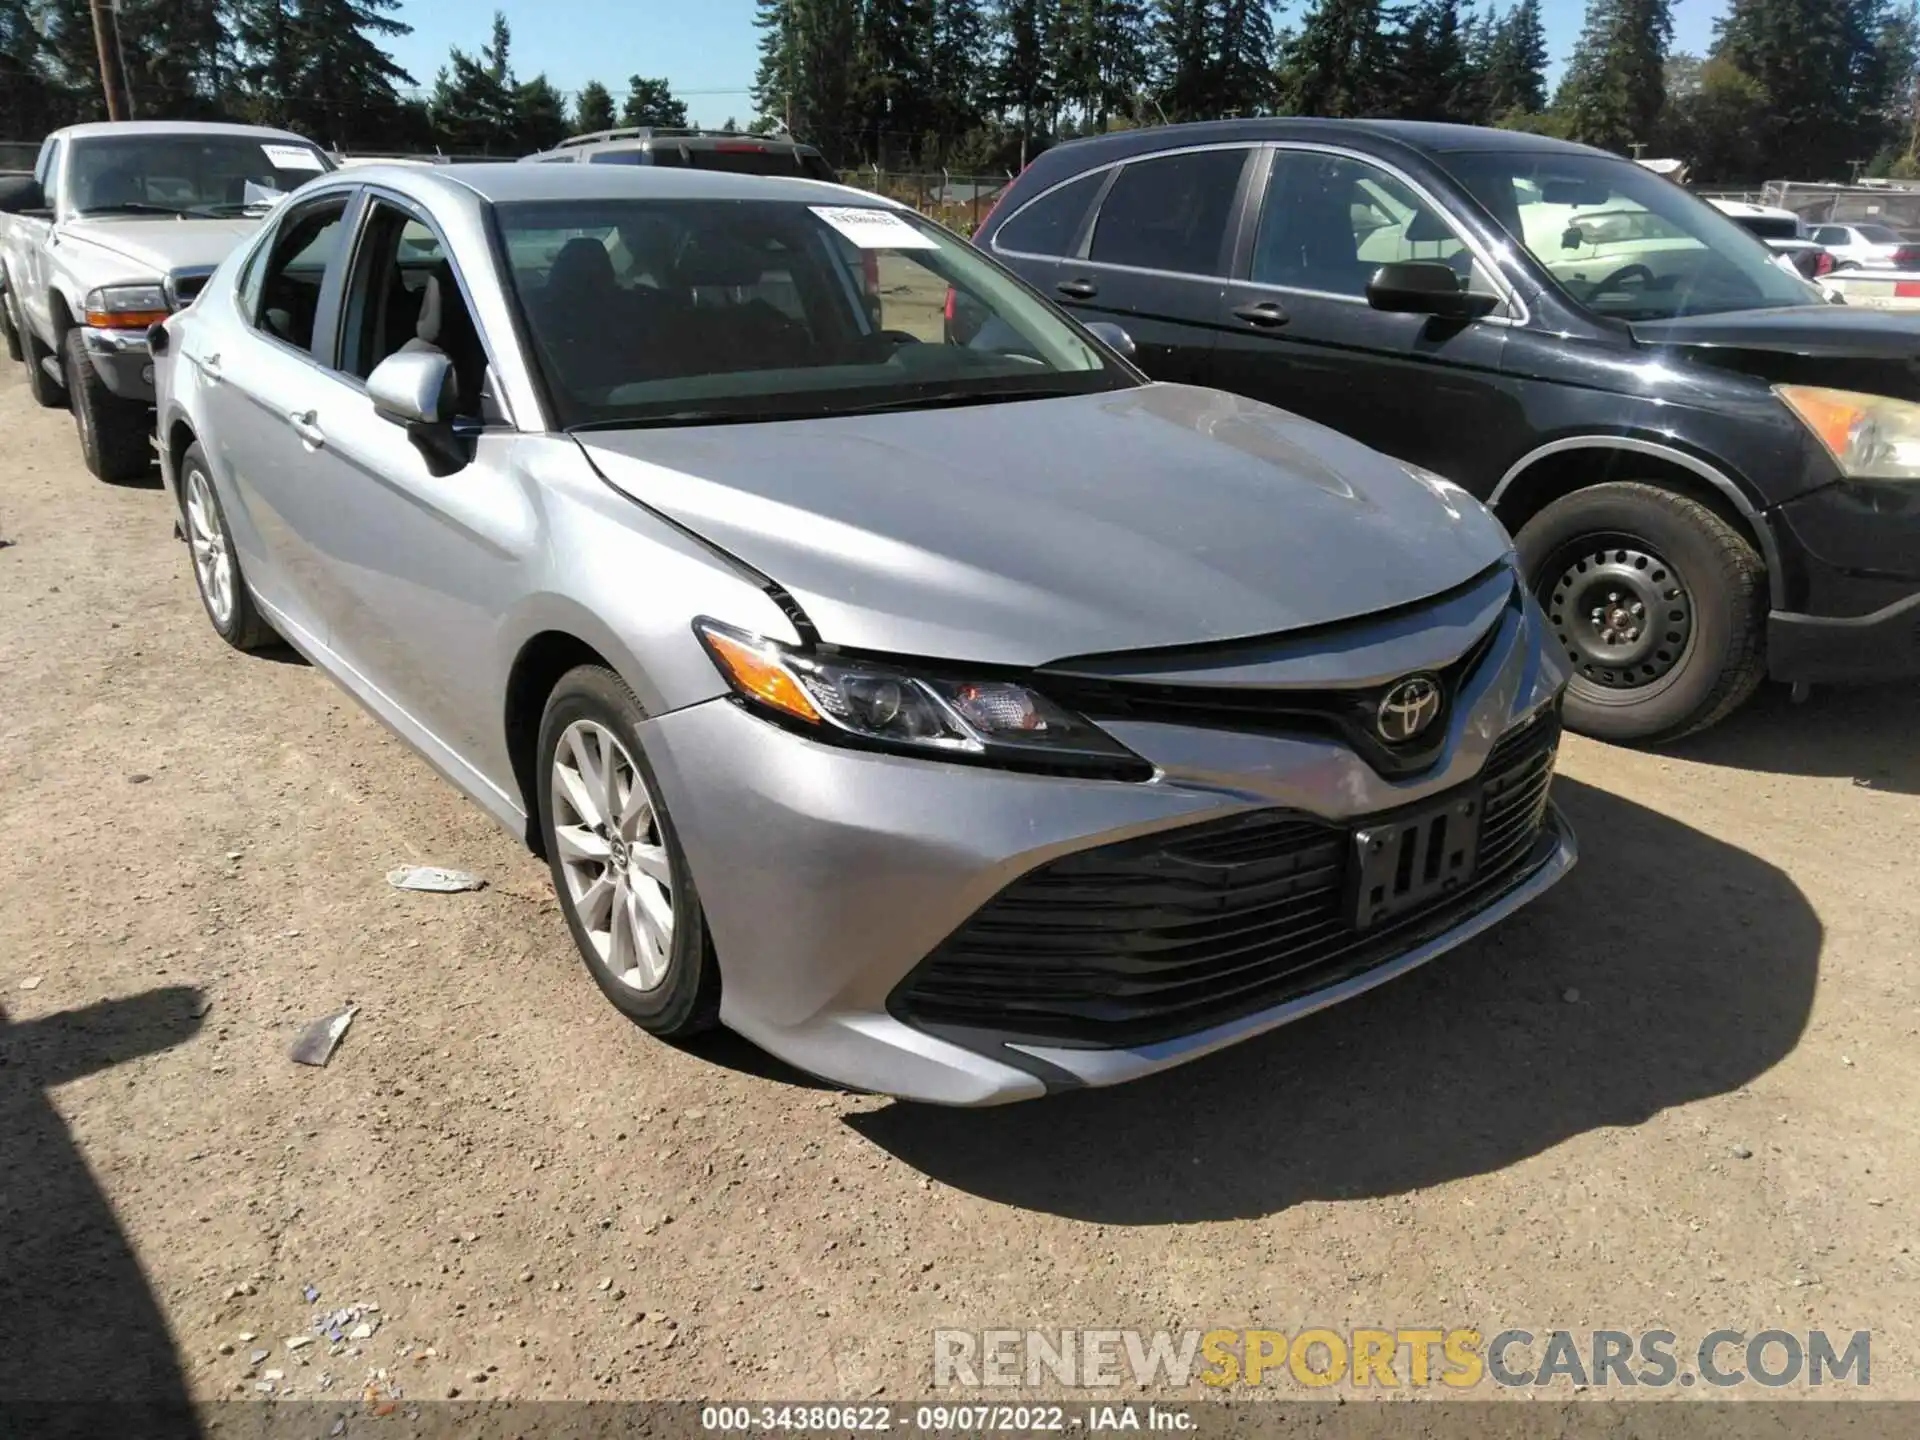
957	721
1782	232
1706	464
119	227
734	152
1867	247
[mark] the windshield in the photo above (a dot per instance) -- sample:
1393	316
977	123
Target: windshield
707	311
186	174
1625	243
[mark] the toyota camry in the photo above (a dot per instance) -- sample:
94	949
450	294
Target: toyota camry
963	720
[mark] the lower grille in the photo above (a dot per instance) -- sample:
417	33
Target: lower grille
1149	939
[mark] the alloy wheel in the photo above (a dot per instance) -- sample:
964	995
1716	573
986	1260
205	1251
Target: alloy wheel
613	854
1622	613
212	559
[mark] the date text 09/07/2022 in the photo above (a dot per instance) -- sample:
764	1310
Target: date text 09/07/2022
937	1419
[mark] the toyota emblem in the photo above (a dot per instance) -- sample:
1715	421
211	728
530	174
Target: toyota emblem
1408	709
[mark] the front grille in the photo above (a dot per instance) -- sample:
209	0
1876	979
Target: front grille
184	286
1148	939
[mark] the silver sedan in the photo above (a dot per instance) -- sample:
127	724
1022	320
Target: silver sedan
960	720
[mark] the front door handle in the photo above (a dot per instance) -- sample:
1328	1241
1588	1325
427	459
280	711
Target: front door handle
1266	314
305	426
1081	289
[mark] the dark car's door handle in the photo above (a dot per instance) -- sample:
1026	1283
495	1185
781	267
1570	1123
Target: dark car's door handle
1266	314
1078	289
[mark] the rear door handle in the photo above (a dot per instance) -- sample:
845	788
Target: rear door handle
305	426
1078	289
1266	314
209	366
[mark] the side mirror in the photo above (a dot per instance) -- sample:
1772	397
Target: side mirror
1425	287
1113	337
21	195
417	389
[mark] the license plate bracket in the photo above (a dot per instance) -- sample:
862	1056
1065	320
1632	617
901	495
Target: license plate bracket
1412	859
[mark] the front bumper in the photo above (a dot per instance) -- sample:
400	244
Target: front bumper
828	874
123	360
1854	613
1825	649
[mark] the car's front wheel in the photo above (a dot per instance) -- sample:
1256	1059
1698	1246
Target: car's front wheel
1656	604
216	565
622	878
115	433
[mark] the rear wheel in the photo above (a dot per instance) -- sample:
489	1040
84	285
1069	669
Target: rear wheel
1657	607
9	332
46	390
114	431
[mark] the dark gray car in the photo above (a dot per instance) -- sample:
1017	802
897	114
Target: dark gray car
958	721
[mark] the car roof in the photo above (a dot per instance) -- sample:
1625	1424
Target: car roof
97	129
1421	136
505	182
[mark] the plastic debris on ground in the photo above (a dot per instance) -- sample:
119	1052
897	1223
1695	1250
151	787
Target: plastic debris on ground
320	1039
433	878
32	982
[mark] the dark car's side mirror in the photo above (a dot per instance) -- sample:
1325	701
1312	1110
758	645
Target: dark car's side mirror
417	390
1113	337
1425	287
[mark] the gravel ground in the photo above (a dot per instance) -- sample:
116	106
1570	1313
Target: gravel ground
1678	1092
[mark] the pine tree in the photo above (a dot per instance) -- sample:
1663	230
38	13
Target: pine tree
1433	79
651	102
1614	86
473	97
1340	62
1023	81
892	77
344	85
179	57
1243	78
957	79
804	82
31	101
1517	63
267	34
592	109
1186	32
539	115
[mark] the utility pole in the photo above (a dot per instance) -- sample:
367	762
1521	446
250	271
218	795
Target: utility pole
113	73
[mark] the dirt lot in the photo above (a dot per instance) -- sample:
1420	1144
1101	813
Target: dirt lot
1679	1092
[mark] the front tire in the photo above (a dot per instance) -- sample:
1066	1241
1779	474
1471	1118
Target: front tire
622	879
216	565
114	431
1657	606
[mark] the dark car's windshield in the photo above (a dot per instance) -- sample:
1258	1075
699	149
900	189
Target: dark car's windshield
187	174
703	311
1625	243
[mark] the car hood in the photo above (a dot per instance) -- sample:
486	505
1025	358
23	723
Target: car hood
156	245
1028	532
1836	330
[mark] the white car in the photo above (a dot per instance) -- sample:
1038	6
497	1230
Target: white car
1867	247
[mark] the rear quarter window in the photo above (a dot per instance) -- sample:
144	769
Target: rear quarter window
1049	225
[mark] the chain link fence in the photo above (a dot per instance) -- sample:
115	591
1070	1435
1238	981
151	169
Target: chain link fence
959	202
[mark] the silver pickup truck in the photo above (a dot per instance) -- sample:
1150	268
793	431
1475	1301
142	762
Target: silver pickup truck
118	227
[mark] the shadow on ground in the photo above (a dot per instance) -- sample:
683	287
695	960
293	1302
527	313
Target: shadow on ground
77	1318
1695	965
1862	732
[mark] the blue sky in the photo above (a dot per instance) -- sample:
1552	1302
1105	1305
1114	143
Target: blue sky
705	48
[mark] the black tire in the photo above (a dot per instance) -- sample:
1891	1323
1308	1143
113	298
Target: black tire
686	999
241	626
9	333
115	432
47	392
1694	648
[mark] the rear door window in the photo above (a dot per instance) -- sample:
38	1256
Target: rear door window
1051	224
1170	212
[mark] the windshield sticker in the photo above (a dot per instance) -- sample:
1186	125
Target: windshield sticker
873	229
292	157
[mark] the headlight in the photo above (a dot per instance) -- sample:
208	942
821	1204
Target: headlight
126	307
1871	437
909	710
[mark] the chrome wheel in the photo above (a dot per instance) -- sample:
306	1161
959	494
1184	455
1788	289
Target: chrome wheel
212	559
613	854
1623	616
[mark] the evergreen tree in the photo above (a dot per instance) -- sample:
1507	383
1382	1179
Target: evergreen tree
805	83
268	37
474	97
539	115
1340	63
179	57
1614	86
957	81
651	102
31	101
1186	33
892	77
592	109
1023	80
1434	80
1243	78
344	85
1516	66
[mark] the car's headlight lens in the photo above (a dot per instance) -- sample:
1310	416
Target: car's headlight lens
900	708
126	307
1871	437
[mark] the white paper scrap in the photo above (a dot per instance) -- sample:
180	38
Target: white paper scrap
874	229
